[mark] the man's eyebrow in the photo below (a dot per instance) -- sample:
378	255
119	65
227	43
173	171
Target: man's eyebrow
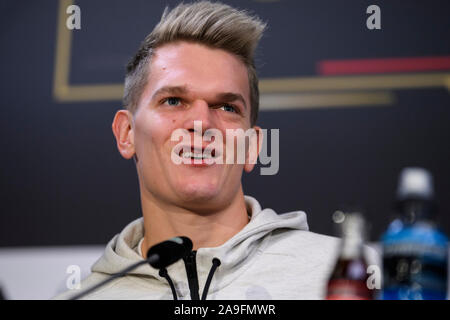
231	96
182	90
171	90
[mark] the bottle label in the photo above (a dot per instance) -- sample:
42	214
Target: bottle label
414	271
343	289
438	253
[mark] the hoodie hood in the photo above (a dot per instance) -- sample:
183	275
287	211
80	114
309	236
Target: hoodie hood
235	255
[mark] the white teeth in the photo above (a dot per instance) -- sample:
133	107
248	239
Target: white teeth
195	155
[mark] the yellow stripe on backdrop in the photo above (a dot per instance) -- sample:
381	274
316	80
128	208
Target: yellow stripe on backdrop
276	93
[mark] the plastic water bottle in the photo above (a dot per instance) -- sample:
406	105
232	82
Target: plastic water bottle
414	249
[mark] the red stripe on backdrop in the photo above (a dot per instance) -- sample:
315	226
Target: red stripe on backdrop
358	66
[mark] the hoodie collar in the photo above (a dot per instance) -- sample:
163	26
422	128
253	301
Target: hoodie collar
236	254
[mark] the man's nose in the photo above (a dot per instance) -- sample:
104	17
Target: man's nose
199	111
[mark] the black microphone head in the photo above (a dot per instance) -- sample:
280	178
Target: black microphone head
167	252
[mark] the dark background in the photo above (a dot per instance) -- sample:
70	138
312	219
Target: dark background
64	183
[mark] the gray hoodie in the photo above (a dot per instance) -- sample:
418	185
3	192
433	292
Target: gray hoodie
273	257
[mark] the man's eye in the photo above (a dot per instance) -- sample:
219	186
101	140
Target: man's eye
229	108
172	101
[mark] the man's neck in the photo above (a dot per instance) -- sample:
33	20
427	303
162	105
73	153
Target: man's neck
163	221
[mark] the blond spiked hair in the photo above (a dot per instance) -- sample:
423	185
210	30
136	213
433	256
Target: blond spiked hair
213	24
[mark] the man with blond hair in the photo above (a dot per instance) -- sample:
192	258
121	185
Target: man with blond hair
197	66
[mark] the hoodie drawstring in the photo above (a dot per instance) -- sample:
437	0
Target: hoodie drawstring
163	273
215	264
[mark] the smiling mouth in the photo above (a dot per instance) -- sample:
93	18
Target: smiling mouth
199	154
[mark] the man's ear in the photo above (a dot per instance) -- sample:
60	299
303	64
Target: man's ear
254	149
123	130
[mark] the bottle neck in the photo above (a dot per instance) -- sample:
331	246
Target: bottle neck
414	210
352	232
351	247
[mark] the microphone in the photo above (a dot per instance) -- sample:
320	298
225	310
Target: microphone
167	252
159	256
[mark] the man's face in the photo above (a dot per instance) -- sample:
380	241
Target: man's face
190	82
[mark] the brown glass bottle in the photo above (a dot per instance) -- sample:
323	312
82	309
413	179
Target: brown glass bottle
348	280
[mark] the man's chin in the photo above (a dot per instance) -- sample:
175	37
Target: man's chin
199	197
